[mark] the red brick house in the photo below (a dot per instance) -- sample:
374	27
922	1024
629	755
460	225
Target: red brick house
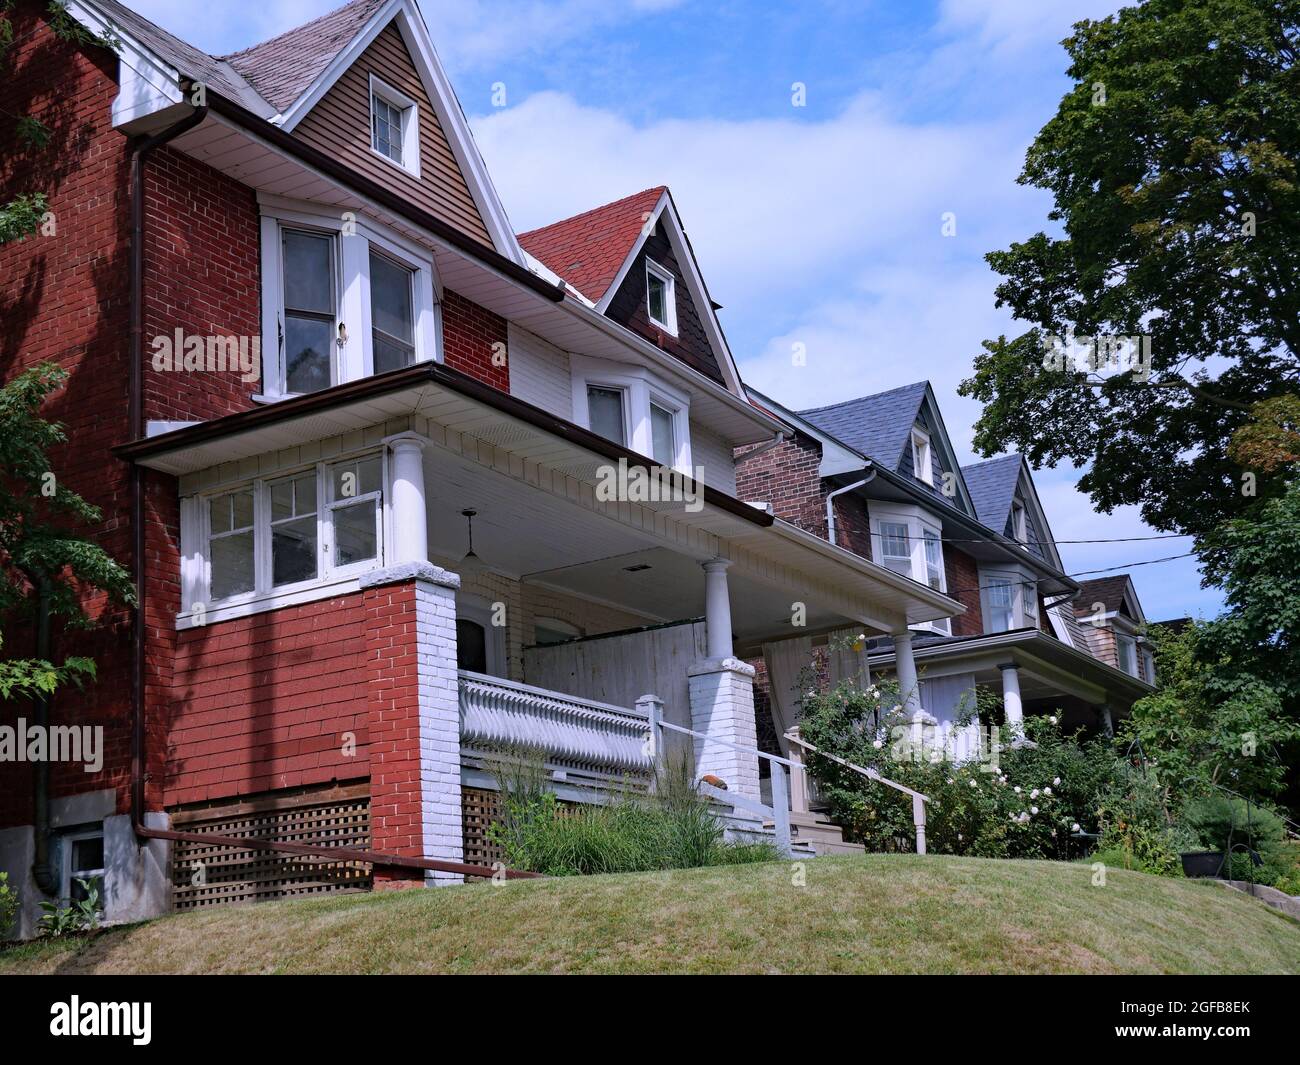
396	485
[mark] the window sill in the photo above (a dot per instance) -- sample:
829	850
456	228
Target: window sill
271	601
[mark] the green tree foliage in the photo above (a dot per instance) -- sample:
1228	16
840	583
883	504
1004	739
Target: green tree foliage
1173	167
38	544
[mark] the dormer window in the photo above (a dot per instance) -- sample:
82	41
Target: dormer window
1019	527
661	297
921	467
394	126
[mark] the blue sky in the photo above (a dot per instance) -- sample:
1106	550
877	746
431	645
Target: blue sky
818	225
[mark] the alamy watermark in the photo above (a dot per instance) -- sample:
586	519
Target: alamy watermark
190	353
1099	354
653	484
22	742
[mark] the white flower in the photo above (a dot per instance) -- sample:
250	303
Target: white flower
877	744
1052	720
1034	794
1033	810
1017	789
951	781
1075	827
973	784
1047	791
1056	782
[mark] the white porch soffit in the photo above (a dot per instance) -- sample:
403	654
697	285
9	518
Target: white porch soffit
517	439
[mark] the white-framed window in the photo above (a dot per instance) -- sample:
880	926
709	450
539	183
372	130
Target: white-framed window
633	407
267	541
1126	653
1008	600
342	298
921	465
83	859
394	126
661	296
480	645
909	541
1019	523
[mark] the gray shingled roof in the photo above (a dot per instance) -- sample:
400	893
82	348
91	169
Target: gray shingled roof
1108	590
188	60
992	486
284	67
877	426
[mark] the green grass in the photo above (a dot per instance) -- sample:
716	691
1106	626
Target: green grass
878	914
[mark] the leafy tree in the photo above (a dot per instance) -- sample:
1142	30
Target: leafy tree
41	559
1173	167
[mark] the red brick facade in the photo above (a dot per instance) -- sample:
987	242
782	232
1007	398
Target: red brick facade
474	341
787	477
963	585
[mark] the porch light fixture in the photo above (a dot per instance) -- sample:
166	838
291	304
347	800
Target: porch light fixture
471	563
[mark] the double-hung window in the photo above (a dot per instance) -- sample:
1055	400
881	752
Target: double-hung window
310	310
344	297
394	126
895	547
606	412
908	541
999	604
663	435
1126	650
634	408
284	534
661	297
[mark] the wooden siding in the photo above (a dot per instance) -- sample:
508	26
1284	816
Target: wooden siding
340	125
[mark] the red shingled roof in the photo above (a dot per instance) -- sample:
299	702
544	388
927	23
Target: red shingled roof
588	249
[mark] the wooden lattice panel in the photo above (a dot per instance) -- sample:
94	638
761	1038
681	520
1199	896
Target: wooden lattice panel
479	808
204	875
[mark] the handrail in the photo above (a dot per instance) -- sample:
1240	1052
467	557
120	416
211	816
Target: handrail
918	800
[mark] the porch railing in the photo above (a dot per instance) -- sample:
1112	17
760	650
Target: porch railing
573	732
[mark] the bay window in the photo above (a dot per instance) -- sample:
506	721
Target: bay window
1009	599
909	541
281	536
343	298
633	407
895	549
1000	608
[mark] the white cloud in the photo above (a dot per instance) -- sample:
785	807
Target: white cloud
1010	26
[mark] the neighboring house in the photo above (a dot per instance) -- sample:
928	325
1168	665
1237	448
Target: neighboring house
385	547
1112	622
878	475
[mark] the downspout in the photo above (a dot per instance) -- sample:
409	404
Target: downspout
830	504
140	152
779	437
42	870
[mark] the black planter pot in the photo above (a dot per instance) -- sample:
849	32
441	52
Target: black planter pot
1203	863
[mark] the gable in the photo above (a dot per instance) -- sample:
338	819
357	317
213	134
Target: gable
628	307
339	125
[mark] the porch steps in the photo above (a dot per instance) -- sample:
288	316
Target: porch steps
819	834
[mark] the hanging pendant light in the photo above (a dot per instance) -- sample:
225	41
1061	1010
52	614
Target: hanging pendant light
471	563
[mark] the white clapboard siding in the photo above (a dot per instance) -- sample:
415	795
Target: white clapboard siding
539	373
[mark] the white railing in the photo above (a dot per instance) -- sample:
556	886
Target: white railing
580	733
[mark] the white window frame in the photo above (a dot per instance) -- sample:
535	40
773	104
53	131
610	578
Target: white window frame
919	522
197	606
1019	522
409	111
922	463
478	610
640	388
67	871
1126	651
1024	597
354	236
653	269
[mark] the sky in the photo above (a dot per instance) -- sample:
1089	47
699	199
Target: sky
814	150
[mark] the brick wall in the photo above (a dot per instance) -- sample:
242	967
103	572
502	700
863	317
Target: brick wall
202	275
786	476
468	335
266	702
963	585
64	299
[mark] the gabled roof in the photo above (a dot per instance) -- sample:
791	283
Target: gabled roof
992	485
284	67
1114	593
589	249
877	426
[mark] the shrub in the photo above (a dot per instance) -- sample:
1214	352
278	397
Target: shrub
673	827
1219	821
8	905
81	916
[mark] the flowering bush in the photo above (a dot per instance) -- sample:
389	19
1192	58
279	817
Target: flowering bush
1015	800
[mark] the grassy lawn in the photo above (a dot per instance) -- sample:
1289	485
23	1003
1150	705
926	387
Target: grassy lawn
879	914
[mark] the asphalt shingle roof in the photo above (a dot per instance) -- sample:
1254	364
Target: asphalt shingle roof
588	249
877	426
1108	590
992	486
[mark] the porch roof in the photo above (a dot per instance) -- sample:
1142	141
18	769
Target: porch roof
500	435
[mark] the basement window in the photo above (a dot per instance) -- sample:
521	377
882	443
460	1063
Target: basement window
394	126
83	859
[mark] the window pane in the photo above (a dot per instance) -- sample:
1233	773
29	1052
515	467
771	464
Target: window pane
232	565
893	539
390	298
471	646
219	514
1001	616
658	298
933	551
387	128
281	500
293	551
307	353
308	272
365	475
354	533
663	439
390	355
87	854
605	409
242	506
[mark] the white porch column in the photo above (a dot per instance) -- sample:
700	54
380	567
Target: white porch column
717	608
722	695
410	518
905	671
1105	720
1011	697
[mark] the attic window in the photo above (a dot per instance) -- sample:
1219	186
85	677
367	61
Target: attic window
1018	527
394	126
661	297
921	466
